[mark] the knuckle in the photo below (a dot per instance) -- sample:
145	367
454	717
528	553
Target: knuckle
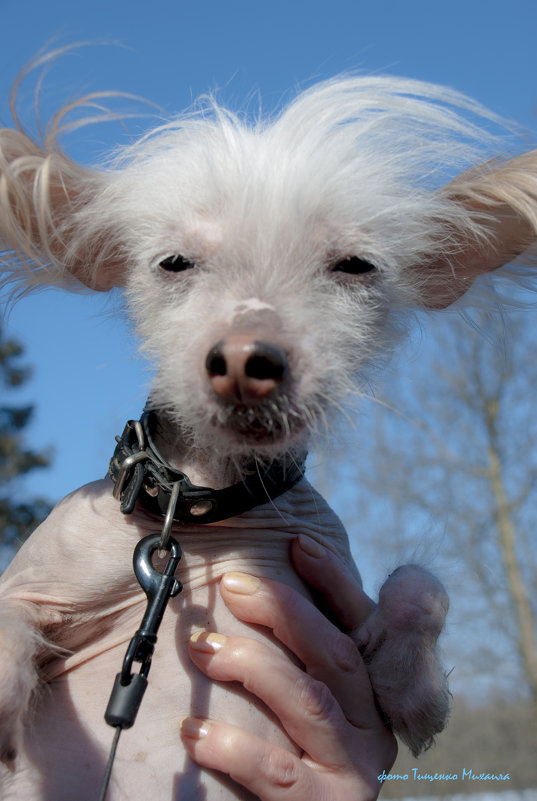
315	698
279	768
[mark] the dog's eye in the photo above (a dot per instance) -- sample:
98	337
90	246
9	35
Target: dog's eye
175	264
353	265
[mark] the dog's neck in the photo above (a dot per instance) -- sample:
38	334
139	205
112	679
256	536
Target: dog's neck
205	467
202	467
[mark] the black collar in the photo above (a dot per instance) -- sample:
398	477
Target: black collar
140	473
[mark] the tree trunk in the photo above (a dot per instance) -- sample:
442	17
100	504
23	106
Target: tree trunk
527	642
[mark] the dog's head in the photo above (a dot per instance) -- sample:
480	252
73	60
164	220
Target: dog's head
264	265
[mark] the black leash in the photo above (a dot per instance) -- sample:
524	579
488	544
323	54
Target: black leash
141	474
109	765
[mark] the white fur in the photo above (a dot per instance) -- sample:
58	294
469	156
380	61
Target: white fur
265	208
264	211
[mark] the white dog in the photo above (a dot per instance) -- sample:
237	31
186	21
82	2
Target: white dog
265	267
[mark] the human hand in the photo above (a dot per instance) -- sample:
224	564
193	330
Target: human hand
327	708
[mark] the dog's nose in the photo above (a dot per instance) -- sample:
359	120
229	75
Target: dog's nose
241	368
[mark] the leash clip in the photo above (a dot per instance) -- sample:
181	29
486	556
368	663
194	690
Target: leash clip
129	687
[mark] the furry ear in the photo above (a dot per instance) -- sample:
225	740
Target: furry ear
42	193
499	201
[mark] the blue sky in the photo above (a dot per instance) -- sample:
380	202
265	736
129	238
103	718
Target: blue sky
87	378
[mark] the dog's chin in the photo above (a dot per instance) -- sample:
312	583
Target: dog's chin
247	429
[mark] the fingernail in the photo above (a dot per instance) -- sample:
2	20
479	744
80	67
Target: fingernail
311	547
194	728
242	583
207	642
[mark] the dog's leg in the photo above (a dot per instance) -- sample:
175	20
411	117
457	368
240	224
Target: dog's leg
21	641
398	644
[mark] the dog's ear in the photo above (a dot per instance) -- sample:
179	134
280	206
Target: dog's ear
43	194
499	200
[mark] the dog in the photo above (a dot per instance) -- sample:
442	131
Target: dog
267	268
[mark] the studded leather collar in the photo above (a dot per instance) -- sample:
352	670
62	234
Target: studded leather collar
141	474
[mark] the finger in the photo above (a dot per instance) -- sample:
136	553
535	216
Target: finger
305	707
339	588
327	654
269	772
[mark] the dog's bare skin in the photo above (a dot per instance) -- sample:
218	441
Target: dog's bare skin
88	612
92	608
263	268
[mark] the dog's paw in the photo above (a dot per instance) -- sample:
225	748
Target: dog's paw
398	645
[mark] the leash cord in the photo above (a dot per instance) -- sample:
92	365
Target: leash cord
111	757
